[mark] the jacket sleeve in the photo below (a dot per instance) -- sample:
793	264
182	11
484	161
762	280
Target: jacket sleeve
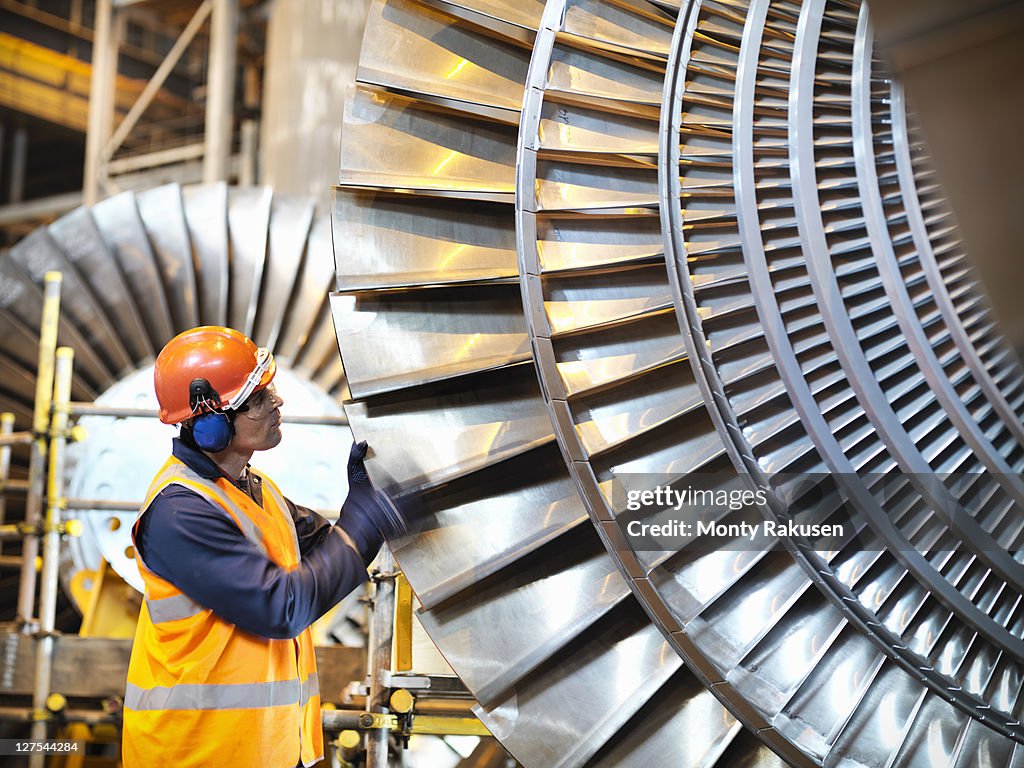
310	527
197	547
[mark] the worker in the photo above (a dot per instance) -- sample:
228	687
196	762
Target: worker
222	670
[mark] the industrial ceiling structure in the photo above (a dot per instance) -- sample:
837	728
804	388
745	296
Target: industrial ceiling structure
582	244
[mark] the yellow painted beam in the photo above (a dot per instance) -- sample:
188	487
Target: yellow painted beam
110	606
403	624
43	101
55	87
449	726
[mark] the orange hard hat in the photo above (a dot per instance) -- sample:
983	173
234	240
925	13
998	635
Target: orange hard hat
210	368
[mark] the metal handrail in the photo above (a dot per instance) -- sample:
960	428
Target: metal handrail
80	408
7	439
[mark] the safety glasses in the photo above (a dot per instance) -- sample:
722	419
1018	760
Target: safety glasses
264	360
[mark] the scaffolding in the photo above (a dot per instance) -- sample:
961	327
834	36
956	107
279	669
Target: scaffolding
214	150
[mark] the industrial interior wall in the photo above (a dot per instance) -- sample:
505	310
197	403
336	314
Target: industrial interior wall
312	53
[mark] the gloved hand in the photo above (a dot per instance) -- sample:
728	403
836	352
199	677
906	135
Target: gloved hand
367	515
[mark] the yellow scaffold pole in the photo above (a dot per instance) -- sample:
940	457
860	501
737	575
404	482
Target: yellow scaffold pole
37	457
51	550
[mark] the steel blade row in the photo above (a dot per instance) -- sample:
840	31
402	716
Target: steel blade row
641	414
745	382
796	339
701	628
511	195
951	277
517	591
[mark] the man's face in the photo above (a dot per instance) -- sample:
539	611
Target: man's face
258	428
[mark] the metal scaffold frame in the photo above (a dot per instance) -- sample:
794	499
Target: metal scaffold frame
103	140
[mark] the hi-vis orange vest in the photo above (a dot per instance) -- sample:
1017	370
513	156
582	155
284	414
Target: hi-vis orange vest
201	691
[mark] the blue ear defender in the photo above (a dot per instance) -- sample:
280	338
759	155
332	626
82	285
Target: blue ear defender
213	430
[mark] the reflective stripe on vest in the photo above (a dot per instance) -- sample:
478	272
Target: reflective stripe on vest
172	608
249	529
227	696
309	688
178	473
283	506
180	606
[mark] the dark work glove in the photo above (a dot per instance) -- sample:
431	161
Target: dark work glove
367	515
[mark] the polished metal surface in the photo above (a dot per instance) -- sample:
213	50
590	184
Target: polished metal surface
249	226
174	250
291	219
427	325
121	227
410	48
140	268
393	142
80	240
207	227
730	256
394	240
